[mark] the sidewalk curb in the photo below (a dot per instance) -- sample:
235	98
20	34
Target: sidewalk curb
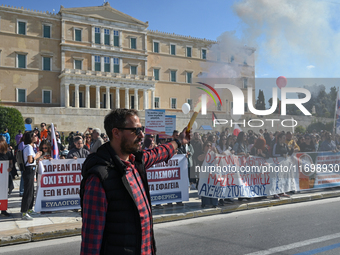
46	232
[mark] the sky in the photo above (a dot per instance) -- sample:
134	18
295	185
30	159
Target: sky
293	38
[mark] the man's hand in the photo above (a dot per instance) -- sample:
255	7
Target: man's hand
184	137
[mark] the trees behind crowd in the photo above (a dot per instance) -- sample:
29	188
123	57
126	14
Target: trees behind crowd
12	119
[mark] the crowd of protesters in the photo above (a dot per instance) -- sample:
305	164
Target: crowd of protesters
36	146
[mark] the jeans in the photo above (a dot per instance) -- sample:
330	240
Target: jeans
28	197
21	188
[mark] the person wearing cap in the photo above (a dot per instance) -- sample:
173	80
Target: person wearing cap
97	141
114	192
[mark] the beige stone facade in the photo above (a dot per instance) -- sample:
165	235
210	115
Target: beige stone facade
92	59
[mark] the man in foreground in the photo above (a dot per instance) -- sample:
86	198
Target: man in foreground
115	198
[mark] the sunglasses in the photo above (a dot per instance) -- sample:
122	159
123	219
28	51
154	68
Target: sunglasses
44	148
136	130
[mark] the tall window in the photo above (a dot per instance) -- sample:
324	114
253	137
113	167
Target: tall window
97	35
189	101
156	74
133	69
231	106
46	31
226	105
78	64
219	106
157	102
204	54
132	102
21	95
245	107
47	63
21	28
173	75
189	77
77	35
107	64
47	96
232	59
21	61
116	65
189	49
245	83
107	36
133	43
173	103
173	49
97	64
116	38
156	47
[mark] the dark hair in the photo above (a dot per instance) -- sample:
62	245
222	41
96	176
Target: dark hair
240	137
3	145
43	123
117	119
221	141
28	137
147	142
5	129
77	138
45	142
279	136
174	132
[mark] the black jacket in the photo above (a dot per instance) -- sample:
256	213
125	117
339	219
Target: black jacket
122	233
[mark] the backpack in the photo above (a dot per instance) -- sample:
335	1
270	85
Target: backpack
20	159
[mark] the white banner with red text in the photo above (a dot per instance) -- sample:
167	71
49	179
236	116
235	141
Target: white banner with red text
4	165
168	181
59	185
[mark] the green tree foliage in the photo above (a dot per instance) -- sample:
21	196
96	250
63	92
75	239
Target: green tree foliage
12	119
278	107
260	102
318	126
300	129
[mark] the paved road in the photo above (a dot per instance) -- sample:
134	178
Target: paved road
304	229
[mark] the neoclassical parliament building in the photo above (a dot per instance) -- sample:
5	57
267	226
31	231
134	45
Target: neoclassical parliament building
72	67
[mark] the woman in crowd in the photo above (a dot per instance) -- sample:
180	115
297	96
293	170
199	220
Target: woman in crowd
222	145
207	200
87	140
30	158
6	155
37	143
45	148
149	144
241	145
204	138
281	149
259	148
308	145
300	141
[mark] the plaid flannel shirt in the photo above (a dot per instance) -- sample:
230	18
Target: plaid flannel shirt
95	203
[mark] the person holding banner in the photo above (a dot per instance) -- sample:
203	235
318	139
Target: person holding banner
28	175
6	155
115	197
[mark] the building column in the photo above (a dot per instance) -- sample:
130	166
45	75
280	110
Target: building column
62	31
127	98
93	62
111	65
120	39
136	99
67	95
153	99
117	98
102	64
87	96
145	99
108	103
120	65
102	36
62	60
92	35
146	68
111	37
98	97
76	95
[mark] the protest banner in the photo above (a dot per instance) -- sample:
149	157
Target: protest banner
155	122
318	170
230	176
168	181
59	185
170	126
4	165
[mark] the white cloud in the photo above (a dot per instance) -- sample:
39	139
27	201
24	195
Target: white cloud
310	67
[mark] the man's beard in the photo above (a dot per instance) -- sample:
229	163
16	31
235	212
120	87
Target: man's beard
129	148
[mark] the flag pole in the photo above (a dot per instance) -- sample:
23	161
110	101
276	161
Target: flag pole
336	108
